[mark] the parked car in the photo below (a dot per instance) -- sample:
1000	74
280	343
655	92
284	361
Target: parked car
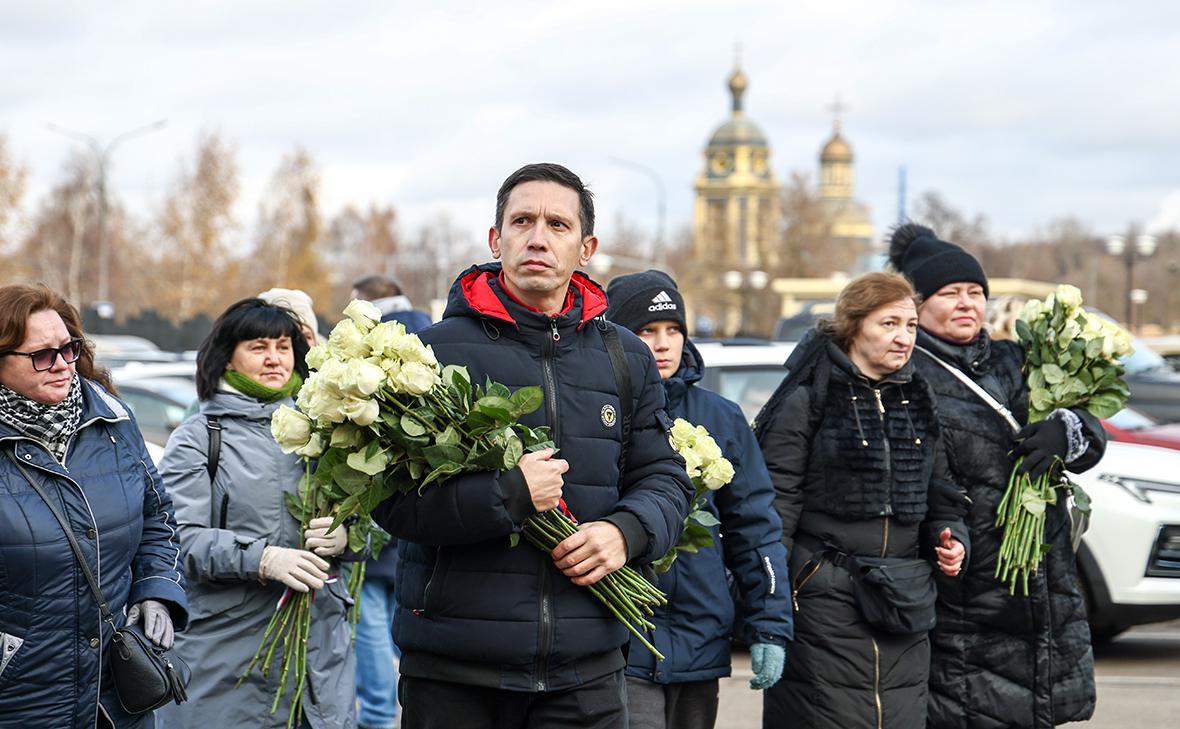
1131	426
791	328
160	396
1168	347
1129	561
1154	385
116	350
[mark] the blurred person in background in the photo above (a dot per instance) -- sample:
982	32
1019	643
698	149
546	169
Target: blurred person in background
61	421
240	545
301	306
1002	315
852	443
376	653
387	296
694	628
999	659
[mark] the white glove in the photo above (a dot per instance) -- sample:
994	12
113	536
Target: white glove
157	621
318	539
296	568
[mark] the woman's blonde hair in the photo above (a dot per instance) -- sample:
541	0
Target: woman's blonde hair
862	296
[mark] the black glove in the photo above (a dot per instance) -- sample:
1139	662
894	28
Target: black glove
1041	444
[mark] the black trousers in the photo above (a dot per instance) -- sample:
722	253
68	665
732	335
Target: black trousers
428	704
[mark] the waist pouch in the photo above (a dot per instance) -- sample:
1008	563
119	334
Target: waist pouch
894	594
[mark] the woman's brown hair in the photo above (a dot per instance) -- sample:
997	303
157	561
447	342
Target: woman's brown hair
18	302
862	296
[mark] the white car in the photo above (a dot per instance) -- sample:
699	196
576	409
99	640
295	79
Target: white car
1129	560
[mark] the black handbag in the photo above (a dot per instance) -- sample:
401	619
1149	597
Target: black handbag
895	594
145	675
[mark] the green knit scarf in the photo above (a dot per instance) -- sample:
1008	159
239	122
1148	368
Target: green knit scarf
258	391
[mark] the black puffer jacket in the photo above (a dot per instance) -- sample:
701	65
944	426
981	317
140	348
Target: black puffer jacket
1001	661
853	463
471	608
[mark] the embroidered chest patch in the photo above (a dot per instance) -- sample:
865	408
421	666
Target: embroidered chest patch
608	415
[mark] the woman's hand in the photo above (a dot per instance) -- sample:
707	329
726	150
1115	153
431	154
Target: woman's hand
318	539
157	621
950	553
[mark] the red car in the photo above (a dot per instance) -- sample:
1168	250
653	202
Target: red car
1132	426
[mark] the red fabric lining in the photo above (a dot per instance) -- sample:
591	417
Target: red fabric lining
478	292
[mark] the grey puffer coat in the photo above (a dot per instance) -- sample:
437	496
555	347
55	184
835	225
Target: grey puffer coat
228	606
999	661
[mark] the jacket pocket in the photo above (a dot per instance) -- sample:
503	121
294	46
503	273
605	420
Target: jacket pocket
437	577
9	647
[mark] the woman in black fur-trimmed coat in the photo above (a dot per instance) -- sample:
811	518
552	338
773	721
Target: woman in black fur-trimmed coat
851	439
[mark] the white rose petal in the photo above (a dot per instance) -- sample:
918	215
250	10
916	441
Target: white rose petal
365	314
348	341
383	336
415	378
360	411
316	356
1069	296
363	378
314	447
291	429
717	474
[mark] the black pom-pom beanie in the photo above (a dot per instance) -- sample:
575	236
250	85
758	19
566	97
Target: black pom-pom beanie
929	263
638	299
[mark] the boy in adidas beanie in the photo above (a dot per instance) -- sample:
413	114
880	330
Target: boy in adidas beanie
638	299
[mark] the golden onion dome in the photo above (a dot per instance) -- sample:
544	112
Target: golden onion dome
836	150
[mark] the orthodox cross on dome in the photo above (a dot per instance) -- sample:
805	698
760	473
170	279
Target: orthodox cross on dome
838	108
738	81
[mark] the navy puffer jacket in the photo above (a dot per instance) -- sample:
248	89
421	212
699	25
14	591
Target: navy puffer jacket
693	630
471	608
53	639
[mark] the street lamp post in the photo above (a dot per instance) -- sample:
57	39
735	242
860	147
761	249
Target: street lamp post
1130	246
660	257
741	283
102	157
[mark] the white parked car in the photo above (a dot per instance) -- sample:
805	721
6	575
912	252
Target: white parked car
1129	560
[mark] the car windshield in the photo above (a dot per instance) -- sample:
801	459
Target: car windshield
1143	359
749	387
1128	419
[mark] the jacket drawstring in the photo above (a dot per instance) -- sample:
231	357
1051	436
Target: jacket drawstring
490	329
905	401
864	442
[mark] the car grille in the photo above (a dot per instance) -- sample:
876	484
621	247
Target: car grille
1165	556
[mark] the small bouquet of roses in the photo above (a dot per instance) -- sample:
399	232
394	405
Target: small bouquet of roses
709	471
1072	361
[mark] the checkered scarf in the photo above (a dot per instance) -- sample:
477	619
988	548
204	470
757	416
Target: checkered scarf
51	424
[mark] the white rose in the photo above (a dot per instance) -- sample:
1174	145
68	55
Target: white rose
708	448
316	356
1069	296
332	376
314	447
364	314
347	340
717	474
384	336
683	434
291	429
1033	308
415	378
320	401
363	377
692	462
360	411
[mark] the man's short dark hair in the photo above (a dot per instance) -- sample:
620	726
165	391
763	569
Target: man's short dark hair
549	172
376	286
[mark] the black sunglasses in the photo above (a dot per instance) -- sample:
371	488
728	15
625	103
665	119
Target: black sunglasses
44	359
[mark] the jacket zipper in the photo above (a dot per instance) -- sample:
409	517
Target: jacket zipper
799	585
877	682
430	582
548	349
888	453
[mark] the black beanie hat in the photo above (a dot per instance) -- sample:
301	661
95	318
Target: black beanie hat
638	299
930	263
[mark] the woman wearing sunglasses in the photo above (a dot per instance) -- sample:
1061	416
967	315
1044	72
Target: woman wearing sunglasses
68	444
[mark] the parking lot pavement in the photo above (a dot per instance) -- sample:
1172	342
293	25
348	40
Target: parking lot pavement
1138	678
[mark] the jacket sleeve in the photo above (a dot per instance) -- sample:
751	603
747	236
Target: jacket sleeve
210	554
786	448
155	570
655	489
751	537
946	508
471	508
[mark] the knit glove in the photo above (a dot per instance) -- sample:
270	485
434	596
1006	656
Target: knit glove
1041	444
318	539
767	661
157	621
296	568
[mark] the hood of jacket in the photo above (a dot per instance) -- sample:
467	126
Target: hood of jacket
692	369
478	293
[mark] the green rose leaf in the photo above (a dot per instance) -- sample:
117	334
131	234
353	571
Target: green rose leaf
1053	374
411	427
294	505
438	455
512	453
1024	332
450	436
704	518
1032	502
440	473
526	400
1081	499
1105	405
1040	399
1094	348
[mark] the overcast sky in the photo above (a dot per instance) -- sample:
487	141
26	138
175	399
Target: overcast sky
1023	111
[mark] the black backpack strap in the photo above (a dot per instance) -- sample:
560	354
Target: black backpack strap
622	372
213	458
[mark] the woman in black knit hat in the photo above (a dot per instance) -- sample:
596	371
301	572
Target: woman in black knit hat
996	659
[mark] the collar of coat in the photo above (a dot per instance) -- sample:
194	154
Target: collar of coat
971	357
478	291
97	404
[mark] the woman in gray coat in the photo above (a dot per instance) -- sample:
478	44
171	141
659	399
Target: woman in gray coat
240	545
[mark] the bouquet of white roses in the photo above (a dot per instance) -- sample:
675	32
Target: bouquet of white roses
709	471
1072	361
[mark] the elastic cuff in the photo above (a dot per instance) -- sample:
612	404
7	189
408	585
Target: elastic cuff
518	500
633	532
1075	436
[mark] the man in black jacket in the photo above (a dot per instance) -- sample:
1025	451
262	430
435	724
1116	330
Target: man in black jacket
499	636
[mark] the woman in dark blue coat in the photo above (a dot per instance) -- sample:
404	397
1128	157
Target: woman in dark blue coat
694	629
59	419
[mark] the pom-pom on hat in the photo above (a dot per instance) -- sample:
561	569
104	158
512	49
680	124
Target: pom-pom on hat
637	299
930	263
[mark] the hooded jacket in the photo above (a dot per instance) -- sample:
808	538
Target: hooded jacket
693	629
224	526
999	660
52	640
473	609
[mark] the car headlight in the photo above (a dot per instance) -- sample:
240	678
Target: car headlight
1140	488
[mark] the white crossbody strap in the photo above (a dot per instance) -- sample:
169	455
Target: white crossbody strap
983	394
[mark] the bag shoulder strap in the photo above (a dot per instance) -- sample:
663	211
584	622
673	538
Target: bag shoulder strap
103	609
622	372
971	385
213	458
